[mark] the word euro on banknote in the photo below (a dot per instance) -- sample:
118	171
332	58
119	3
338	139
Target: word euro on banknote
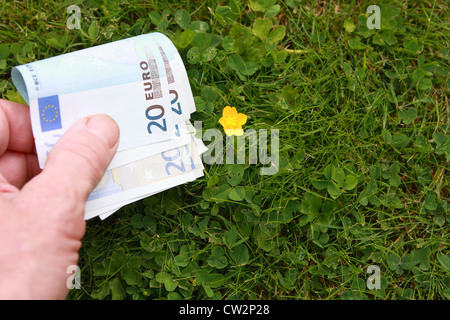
140	82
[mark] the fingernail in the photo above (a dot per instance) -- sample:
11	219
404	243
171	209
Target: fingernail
105	128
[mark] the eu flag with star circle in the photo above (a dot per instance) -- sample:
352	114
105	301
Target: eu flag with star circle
49	113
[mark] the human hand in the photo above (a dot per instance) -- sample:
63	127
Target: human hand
42	213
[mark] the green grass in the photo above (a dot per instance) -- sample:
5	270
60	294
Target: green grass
363	180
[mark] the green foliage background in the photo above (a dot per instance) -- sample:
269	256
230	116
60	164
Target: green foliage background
363	117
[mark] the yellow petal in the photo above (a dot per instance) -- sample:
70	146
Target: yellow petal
229	111
229	132
239	132
225	124
241	118
235	132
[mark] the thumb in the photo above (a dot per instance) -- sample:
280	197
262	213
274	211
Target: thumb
81	156
78	161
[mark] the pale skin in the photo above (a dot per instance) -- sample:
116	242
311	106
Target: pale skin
42	212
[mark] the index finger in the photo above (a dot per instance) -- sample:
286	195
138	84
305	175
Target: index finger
15	127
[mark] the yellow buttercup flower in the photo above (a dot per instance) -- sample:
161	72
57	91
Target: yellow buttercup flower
232	121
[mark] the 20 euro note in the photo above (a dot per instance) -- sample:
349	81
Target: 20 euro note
106	208
128	183
126	79
197	148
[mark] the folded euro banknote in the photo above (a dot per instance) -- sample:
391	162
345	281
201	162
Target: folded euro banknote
142	178
141	82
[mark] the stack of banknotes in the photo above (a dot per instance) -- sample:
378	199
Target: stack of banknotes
141	82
